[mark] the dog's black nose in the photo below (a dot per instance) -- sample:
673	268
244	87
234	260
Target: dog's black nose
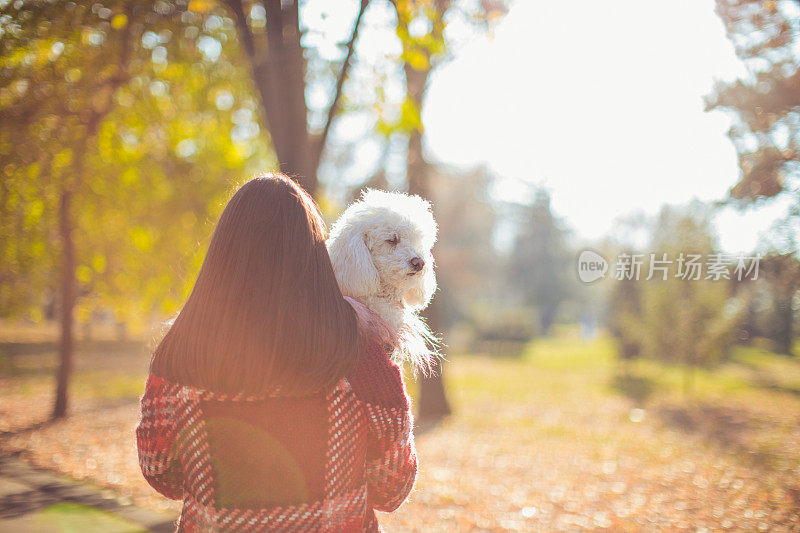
417	263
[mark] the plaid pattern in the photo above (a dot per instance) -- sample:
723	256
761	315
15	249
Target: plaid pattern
370	462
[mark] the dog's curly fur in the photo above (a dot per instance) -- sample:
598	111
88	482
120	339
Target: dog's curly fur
373	247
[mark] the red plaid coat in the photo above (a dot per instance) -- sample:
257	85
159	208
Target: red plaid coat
260	463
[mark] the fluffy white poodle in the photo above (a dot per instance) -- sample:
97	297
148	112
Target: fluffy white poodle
381	253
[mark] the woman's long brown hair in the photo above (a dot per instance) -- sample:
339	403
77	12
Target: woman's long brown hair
265	313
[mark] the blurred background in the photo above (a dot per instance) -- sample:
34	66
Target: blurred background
537	129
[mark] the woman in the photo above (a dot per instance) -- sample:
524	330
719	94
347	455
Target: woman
270	405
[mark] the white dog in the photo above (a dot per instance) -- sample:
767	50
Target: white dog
381	253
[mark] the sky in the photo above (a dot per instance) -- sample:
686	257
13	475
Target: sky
602	104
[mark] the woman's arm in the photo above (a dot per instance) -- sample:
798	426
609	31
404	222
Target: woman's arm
155	439
392	462
391	457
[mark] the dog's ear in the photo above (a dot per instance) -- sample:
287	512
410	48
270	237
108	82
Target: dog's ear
419	296
352	263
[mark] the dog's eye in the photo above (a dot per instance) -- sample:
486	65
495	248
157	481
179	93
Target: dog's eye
393	240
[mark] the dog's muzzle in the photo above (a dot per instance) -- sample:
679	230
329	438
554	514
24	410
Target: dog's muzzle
416	264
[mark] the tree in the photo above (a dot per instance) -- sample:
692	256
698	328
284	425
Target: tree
766	133
692	322
418	56
422	50
782	272
75	102
270	34
466	260
625	307
101	107
540	261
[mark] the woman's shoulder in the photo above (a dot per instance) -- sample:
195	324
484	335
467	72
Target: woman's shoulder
165	389
371	325
376	375
157	386
376	378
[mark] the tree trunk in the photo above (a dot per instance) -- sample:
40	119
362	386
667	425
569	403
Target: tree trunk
417	171
66	226
66	345
278	68
783	317
281	85
433	404
70	184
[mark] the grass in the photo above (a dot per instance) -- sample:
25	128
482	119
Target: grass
560	439
69	517
556	438
105	369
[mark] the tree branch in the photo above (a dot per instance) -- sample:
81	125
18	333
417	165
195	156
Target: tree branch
334	108
120	77
244	30
275	23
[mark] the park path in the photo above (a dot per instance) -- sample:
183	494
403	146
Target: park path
41	501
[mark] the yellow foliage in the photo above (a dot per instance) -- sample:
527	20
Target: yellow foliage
62	158
129	176
119	21
83	273
410	118
99	263
141	239
416	59
200	6
35	211
235	155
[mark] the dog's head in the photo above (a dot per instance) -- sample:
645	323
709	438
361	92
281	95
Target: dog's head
381	246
